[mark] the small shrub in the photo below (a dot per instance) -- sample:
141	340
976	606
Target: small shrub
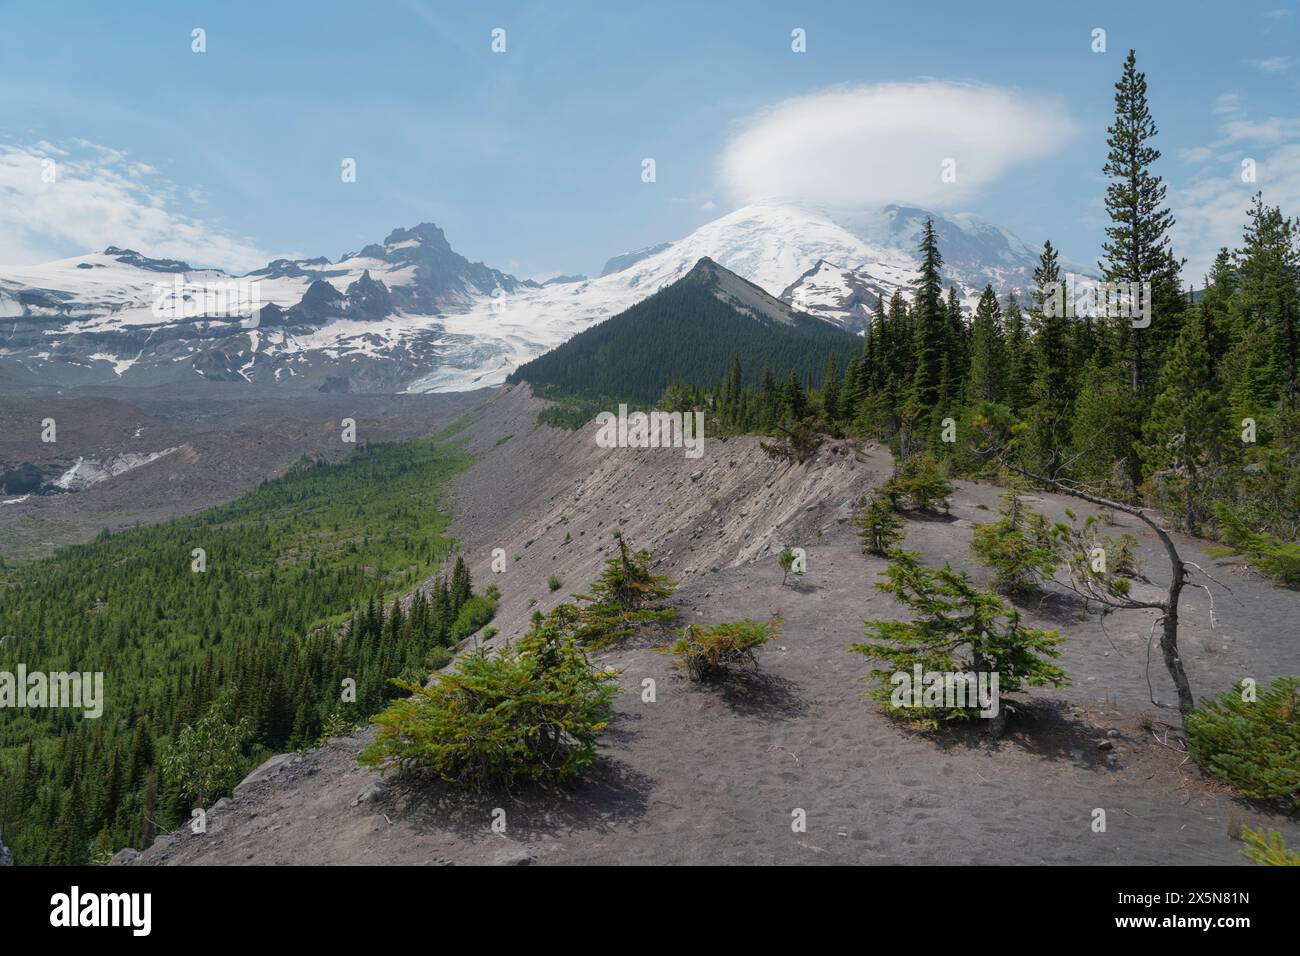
554	583
786	560
207	757
1019	547
1276	558
437	659
474	613
956	629
1123	556
1098	566
1253	745
709	652
802	439
533	712
880	529
624	598
338	725
919	485
1267	848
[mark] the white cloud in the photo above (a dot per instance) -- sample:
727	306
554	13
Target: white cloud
861	146
1274	129
1273	64
1211	209
101	197
1227	103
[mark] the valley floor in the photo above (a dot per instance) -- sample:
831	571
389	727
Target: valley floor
713	775
139	456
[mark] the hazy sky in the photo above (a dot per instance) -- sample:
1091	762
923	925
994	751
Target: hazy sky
532	159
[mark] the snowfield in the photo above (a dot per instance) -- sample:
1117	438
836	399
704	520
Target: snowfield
454	325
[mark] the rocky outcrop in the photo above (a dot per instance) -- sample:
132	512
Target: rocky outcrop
367	298
266	770
321	302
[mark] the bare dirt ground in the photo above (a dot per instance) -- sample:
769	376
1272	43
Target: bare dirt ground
715	774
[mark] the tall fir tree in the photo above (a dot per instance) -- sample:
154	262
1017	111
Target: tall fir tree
1137	249
930	340
1020	372
1052	391
958	355
831	393
987	351
1188	432
1269	305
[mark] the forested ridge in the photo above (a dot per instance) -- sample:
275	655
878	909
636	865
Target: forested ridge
299	594
683	332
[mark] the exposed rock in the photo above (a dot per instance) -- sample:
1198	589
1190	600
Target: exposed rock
513	855
368	298
322	302
373	793
268	769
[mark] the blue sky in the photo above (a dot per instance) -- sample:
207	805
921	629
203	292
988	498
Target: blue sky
531	159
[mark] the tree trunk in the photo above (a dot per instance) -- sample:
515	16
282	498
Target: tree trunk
1169	634
1178	574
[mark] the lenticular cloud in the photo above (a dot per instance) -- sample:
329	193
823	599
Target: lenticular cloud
861	146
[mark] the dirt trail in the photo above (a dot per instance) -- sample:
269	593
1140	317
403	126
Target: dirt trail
709	775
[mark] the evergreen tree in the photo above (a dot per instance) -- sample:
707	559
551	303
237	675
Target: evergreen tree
930	340
769	399
793	398
881	365
731	388
1101	430
1188	430
1138	247
831	392
1052	390
958	355
988	352
461	586
955	628
1269	307
879	527
624	598
1020	372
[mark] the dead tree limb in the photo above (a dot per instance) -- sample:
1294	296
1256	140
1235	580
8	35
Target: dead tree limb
1178	578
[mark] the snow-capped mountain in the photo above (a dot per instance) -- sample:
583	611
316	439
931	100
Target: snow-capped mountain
826	268
369	320
412	314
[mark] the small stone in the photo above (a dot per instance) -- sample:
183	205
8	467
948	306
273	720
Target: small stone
512	856
1105	745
